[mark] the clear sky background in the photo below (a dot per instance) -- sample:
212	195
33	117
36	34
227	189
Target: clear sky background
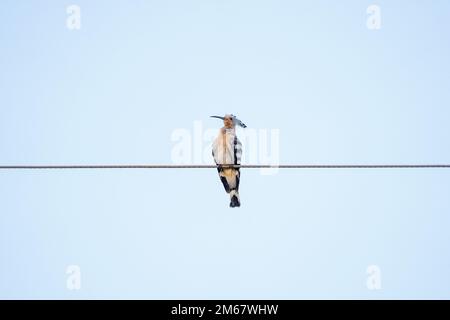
115	91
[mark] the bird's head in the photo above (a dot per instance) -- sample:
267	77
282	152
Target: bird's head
228	121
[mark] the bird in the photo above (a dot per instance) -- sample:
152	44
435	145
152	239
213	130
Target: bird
226	151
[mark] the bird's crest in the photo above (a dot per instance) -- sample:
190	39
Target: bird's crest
236	121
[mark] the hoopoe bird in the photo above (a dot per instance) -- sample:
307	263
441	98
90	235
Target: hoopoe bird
227	150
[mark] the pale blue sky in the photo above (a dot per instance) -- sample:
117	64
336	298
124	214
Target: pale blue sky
114	91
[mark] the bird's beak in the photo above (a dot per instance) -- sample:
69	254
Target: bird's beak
221	118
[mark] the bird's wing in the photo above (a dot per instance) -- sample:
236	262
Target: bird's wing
237	151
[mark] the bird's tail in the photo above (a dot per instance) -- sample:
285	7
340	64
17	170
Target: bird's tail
234	199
